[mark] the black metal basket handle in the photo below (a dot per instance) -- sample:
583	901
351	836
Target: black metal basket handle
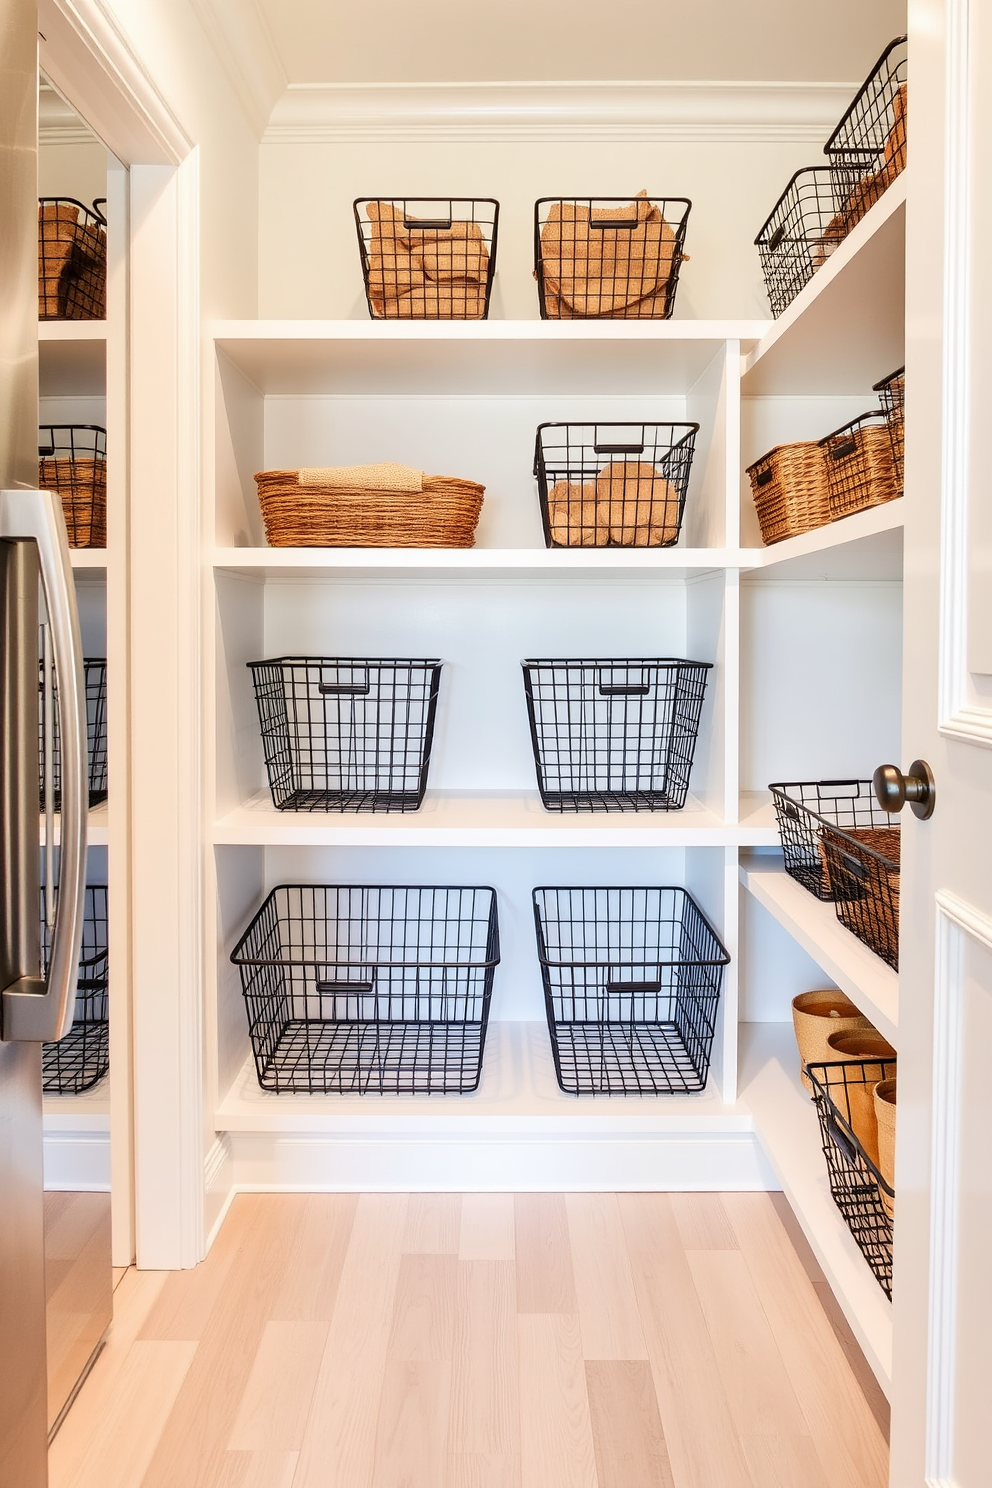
635	988
345	689
624	689
840	1139
764	476
850	447
427	224
347	988
619	449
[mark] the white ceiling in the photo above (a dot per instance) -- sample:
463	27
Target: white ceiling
444	41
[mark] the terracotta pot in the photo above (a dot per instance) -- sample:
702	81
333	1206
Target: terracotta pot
885	1116
815	1015
866	1049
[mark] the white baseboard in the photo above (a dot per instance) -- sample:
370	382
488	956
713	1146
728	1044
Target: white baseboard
77	1161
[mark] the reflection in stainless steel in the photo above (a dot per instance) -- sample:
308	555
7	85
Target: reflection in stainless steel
78	1288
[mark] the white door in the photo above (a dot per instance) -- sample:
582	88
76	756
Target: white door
943	1277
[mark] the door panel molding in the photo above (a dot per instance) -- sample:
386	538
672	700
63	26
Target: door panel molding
957	922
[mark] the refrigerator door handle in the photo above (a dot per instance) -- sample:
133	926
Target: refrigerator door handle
33	1009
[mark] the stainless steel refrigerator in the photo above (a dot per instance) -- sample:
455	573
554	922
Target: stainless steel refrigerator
37	599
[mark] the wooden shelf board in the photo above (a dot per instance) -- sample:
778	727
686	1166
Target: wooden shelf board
845	330
786	1123
72	358
484	819
857	971
518	1092
513	357
867	545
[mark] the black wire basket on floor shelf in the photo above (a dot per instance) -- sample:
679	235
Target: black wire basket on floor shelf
613	484
632	980
614	735
803	229
867	150
346	733
609	257
427	258
95	692
72	259
72	460
841	1091
358	990
80	1060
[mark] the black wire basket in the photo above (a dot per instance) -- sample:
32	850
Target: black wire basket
803	229
81	1059
614	484
72	259
346	733
427	258
892	396
856	1184
632	980
614	735
72	460
859	463
355	990
608	257
804	808
867	150
95	690
863	870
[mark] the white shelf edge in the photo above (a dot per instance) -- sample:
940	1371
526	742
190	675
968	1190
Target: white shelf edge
892	200
486	819
276	561
857	971
786	1124
518	1094
72	330
83	560
97	827
484	331
890	517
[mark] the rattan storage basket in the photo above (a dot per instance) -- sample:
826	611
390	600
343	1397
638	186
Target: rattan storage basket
892	396
331	509
790	490
72	260
72	460
859	465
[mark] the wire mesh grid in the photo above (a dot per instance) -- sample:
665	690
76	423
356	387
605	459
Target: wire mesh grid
892	396
803	228
863	869
72	460
867	150
614	735
842	1094
632	980
607	257
72	259
804	808
354	990
95	693
613	484
859	465
344	733
427	258
81	1059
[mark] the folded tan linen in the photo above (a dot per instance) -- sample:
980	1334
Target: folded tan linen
600	270
440	302
386	476
452	255
639	506
574	518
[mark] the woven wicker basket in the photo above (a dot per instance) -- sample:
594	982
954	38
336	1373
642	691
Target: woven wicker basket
892	396
859	463
72	261
790	491
82	485
443	514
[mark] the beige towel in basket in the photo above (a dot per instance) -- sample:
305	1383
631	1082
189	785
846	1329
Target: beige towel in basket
573	516
386	476
639	506
598	272
453	255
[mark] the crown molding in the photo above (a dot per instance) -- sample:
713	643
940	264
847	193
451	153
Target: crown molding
58	122
237	31
698	111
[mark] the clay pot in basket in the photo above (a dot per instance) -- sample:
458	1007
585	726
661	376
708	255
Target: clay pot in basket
867	1050
815	1016
885	1116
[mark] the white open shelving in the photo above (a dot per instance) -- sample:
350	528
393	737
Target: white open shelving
455	395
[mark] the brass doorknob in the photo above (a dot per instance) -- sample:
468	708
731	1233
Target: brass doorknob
893	789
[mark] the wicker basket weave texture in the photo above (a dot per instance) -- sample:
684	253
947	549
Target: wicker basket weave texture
860	466
72	264
790	490
82	485
443	514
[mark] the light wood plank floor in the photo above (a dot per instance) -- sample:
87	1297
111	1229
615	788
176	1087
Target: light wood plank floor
482	1341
